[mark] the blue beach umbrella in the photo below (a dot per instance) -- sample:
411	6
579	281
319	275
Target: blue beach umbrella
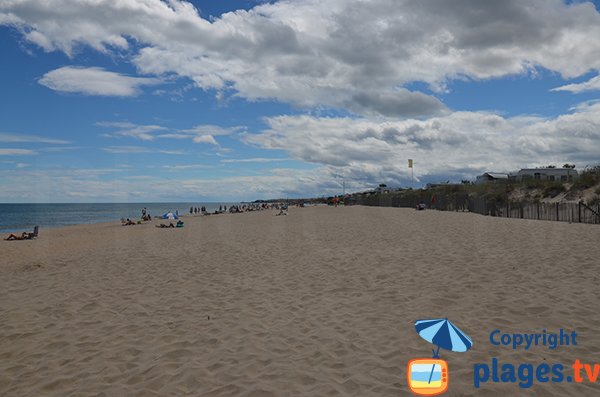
170	215
442	333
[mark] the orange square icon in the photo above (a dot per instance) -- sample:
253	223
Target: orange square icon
427	376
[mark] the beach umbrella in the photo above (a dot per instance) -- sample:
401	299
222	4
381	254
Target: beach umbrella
170	215
442	333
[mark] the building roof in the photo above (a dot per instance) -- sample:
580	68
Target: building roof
496	175
547	169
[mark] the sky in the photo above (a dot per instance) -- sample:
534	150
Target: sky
150	100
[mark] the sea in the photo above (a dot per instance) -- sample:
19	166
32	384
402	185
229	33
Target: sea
21	217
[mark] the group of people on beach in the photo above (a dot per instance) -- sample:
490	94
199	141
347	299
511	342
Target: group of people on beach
198	210
201	210
233	209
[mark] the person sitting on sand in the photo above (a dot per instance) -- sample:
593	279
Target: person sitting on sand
128	222
179	223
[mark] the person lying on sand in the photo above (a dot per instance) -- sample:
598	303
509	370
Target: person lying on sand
24	236
127	222
163	225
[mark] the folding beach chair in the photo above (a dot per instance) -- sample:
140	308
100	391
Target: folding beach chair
35	232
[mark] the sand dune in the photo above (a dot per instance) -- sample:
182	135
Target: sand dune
321	302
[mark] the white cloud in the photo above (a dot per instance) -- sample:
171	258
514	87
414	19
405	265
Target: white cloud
214	130
139	149
59	185
126	129
358	152
592	84
456	146
348	54
16	152
58	149
30	138
94	81
179	167
197	134
126	149
205	139
254	160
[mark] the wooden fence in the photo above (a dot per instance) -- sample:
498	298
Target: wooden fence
563	212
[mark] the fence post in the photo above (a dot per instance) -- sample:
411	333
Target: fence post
538	210
557	213
521	211
579	206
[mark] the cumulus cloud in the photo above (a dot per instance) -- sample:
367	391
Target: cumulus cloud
94	81
356	152
592	84
347	54
458	145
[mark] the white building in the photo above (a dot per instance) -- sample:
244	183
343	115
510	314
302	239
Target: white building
547	174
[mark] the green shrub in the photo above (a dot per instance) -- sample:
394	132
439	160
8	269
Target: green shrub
588	178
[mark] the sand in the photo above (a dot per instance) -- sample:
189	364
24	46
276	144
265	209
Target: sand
321	302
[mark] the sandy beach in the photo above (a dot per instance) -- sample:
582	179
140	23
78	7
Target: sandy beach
321	302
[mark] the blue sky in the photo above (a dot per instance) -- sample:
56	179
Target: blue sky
148	100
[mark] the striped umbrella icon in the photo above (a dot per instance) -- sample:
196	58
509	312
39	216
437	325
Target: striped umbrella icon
442	333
